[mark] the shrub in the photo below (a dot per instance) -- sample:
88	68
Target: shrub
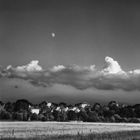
34	117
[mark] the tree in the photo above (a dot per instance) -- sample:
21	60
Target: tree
41	117
127	111
137	110
117	118
92	116
4	115
1	103
134	120
34	117
43	104
62	104
9	107
83	115
98	109
22	105
114	107
26	115
107	112
72	115
17	116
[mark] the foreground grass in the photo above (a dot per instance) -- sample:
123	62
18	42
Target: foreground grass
126	135
68	131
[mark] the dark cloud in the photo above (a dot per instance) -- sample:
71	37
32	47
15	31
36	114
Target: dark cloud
110	78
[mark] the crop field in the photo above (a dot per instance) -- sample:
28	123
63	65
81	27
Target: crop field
68	130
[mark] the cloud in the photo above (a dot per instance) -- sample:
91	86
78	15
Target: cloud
58	68
31	67
137	71
112	66
111	77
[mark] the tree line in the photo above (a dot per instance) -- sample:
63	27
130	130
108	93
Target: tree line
23	110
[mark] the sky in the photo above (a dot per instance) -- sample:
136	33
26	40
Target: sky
70	51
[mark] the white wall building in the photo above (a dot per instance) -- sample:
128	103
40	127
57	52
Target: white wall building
35	110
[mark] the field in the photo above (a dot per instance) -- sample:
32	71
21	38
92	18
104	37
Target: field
68	130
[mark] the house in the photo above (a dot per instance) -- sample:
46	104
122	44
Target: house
34	109
84	105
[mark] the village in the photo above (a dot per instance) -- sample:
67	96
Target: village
23	110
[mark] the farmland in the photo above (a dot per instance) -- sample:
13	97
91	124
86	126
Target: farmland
66	130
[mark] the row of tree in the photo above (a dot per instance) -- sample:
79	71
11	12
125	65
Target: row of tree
22	110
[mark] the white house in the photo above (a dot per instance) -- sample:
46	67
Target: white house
35	110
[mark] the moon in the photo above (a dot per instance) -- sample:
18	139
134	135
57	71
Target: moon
53	34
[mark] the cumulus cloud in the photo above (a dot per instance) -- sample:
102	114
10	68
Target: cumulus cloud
111	77
112	66
58	68
31	67
137	71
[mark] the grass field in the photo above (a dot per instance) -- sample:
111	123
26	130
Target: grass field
69	131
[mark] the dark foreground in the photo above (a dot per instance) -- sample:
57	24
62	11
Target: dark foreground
68	131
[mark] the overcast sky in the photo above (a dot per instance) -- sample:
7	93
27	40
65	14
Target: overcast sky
76	50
